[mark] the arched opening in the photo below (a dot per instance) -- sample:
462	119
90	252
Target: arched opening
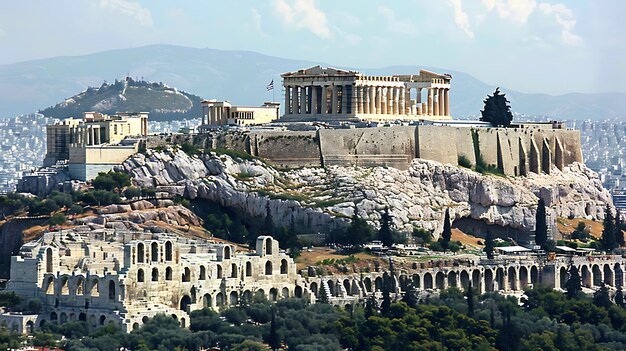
346	285
145	320
82	317
234	298
53	317
49	260
476	280
72	317
273	294
331	288
452	279
619	275
367	283
597	275
102	319
155	274
248	269
246	298
512	275
534	275
313	288
440	281
268	268
563	277
219	272
378	284
135	326
259	295
207	301
112	294
298	291
63	318
30	327
499	281
428	280
202	273
283	266
64	284
586	277
227	252
140	253
183	323
49	287
140	276
609	279
465	279
184	303
233	270
168	273
168	250
80	283
523	277
488	280
154	252
417	282
268	246
285	293
186	275
219	299
94	291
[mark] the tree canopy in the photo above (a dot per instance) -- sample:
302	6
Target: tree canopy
497	110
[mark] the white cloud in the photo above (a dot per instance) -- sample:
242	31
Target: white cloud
304	14
566	20
515	10
461	18
129	8
396	25
256	22
489	4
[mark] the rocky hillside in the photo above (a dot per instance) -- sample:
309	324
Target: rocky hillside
318	199
163	102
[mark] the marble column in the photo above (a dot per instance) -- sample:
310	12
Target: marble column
436	102
383	100
287	100
344	99
294	100
372	92
447	102
391	97
324	97
430	101
402	101
397	107
407	102
302	100
313	90
379	99
359	101
442	101
366	100
333	100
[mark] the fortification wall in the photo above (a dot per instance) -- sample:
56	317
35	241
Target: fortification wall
287	149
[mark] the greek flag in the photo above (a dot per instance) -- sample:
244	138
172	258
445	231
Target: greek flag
270	86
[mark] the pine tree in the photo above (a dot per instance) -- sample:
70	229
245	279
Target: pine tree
541	228
469	295
489	246
273	339
573	286
371	306
410	297
601	297
386	304
496	110
446	235
608	233
619	296
619	236
385	234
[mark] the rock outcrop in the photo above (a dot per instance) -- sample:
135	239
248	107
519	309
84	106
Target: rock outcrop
131	217
319	199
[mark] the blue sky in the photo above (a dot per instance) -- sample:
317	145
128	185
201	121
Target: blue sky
537	46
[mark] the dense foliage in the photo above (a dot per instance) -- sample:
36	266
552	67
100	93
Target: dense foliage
497	110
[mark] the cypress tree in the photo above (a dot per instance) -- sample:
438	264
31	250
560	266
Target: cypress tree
384	234
273	339
541	228
601	297
573	286
496	110
446	235
371	306
619	236
489	246
469	295
619	296
386	304
608	233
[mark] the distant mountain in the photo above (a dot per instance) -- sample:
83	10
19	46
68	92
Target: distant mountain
241	77
128	95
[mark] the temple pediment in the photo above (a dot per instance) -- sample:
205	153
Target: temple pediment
319	70
429	74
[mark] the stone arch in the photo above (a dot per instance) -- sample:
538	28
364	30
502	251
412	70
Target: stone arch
207	301
185	302
168	273
562	277
135	326
246	296
417	283
63	318
378	284
488	280
140	276
54	317
140	253
284	267
154	251
183	323
155	274
404	282
94	289
259	295
112	294
168	250
49	260
72	317
452	275
440	280
273	294
219	272
64	285
79	288
102	319
586	276
248	269
268	268
49	285
219	299
534	275
82	317
268	246
234	298
367	283
619	275
499	280
30	327
227	252
428	280
609	278
597	275
346	285
523	277
285	293
186	277
512	277
233	270
298	291
313	288
145	319
465	279
202	275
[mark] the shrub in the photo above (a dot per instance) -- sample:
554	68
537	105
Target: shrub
132	192
189	149
75	209
57	219
464	161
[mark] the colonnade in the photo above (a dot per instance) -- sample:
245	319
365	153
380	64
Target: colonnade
350	99
87	135
215	114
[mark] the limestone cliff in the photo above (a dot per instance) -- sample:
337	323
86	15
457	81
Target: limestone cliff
317	199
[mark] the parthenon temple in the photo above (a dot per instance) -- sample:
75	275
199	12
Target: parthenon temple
326	94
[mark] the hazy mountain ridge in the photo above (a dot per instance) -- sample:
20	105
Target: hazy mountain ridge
162	101
241	77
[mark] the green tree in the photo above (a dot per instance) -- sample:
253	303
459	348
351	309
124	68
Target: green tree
581	232
422	235
132	192
9	299
619	296
608	233
386	291
385	234
248	345
103	181
57	219
469	296
273	339
446	235
497	110
489	245
75	209
573	286
619	236
541	227
601	297
358	233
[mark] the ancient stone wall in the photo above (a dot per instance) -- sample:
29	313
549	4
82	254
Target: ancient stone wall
287	149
